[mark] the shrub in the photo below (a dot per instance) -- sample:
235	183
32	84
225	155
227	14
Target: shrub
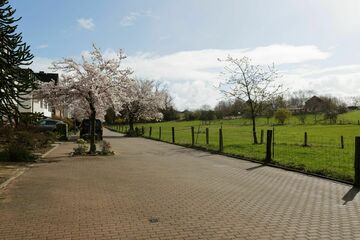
17	153
81	141
106	148
5	134
32	139
18	143
281	115
81	148
331	116
134	133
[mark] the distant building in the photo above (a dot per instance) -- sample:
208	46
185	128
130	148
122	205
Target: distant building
35	105
296	110
314	104
352	108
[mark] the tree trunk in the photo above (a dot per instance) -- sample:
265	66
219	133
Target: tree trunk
254	129
92	129
253	118
131	125
132	131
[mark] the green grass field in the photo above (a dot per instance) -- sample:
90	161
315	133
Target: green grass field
323	156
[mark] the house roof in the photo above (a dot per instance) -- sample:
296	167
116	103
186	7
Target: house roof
313	99
47	77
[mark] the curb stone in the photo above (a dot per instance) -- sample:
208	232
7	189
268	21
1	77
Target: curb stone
17	174
20	171
56	145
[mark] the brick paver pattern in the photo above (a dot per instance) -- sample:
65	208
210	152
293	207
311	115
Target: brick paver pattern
154	190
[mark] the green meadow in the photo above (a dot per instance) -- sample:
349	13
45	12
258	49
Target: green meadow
324	155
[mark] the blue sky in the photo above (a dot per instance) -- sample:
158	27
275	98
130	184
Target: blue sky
315	44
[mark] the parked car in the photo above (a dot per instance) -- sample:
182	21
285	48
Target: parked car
85	129
48	124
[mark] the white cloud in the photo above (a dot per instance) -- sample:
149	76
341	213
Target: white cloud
191	76
341	81
343	15
86	23
285	54
42	46
41	64
130	19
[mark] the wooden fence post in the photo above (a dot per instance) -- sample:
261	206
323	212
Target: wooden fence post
192	136
221	142
273	142
142	130
357	162
159	133
342	142
262	136
207	136
173	134
268	146
150	130
305	139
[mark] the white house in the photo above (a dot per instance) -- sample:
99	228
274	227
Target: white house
34	105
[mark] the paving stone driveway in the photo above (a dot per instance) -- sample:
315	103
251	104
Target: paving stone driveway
187	194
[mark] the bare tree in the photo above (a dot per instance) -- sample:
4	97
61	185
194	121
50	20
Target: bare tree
255	84
297	100
355	101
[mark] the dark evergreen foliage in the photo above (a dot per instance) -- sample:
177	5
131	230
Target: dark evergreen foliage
15	82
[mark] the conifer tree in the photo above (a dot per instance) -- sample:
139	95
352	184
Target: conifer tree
15	82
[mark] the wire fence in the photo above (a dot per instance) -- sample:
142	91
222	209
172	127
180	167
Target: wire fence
306	152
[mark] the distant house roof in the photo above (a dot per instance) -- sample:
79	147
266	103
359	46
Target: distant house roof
313	99
47	77
353	107
314	104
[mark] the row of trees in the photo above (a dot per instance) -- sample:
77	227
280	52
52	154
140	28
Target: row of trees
87	88
329	106
91	86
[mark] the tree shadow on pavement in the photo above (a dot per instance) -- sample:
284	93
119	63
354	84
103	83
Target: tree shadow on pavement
350	195
114	136
256	167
